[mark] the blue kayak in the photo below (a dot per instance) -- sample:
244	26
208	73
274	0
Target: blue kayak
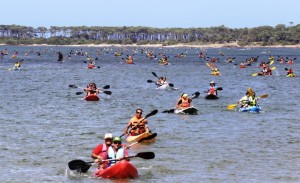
253	109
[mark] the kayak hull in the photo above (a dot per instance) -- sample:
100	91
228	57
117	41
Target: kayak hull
253	109
189	110
211	97
139	137
92	98
291	75
120	170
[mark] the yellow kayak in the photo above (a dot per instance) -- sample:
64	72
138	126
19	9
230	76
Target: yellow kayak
291	75
139	137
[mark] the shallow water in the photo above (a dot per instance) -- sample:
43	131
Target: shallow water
44	125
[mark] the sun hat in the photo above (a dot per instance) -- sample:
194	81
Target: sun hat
117	139
108	136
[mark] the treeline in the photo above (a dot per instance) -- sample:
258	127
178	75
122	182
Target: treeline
263	35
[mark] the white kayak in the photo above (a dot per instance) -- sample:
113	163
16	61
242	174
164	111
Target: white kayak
190	110
166	86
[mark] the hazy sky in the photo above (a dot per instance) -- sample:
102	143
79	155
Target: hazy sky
151	13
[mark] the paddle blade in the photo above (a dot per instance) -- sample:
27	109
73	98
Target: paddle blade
107	92
220	88
171	85
273	68
146	155
169	111
79	93
154	74
263	96
148	138
150	81
73	86
195	95
272	62
106	87
151	113
78	164
231	106
254	74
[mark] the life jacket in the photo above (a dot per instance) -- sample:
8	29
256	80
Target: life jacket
104	153
136	127
185	103
253	101
212	91
113	155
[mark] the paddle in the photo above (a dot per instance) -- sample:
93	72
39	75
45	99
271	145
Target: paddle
14	67
106	92
170	84
82	166
95	65
272	68
104	87
194	95
148	115
154	74
146	138
232	106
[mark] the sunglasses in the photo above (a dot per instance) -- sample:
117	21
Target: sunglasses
117	142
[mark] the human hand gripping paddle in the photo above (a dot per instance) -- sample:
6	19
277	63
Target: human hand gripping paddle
82	166
148	115
194	95
233	106
79	93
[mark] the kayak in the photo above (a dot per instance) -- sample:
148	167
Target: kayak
120	170
165	87
291	75
253	109
211	96
242	66
190	110
92	97
139	137
215	73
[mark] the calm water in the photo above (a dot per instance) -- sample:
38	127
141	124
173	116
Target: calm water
44	125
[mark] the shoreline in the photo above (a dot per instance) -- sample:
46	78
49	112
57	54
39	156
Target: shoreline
180	45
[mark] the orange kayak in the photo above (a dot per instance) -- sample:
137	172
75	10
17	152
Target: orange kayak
139	137
92	97
120	170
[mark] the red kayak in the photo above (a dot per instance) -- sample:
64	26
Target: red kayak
120	170
92	97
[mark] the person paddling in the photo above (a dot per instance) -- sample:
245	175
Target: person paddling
137	124
244	101
212	90
91	65
100	152
91	89
184	101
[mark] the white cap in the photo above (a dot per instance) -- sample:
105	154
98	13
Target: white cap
212	82
108	136
185	95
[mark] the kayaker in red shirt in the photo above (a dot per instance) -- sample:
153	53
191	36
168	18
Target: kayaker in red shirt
101	151
212	89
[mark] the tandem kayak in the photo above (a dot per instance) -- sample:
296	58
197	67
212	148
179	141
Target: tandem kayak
139	137
120	170
92	97
253	109
190	110
211	97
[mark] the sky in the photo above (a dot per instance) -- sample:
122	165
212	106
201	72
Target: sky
151	13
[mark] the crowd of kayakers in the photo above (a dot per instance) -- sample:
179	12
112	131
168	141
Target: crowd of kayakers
112	150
